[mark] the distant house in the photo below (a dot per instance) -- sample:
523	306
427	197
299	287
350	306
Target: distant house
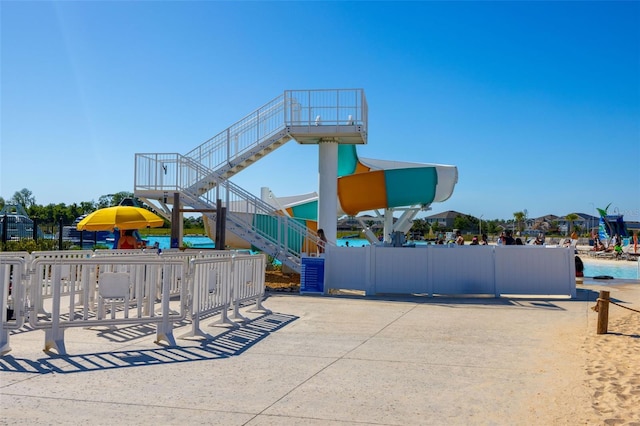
546	223
553	223
444	220
585	222
633	226
350	223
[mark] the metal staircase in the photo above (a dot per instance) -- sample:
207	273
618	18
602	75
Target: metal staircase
202	175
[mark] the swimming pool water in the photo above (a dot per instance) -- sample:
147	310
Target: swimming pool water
626	270
164	242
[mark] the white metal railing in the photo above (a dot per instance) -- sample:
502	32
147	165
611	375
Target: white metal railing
219	283
248	283
254	220
128	252
69	275
198	175
76	309
285	238
167	172
125	289
187	255
295	108
210	290
326	107
241	136
12	297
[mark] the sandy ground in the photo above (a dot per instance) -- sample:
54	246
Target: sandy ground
596	378
612	362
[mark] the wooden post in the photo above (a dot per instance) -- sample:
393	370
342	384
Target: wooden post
218	243
176	238
223	228
603	312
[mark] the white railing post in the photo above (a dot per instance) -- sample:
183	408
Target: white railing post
54	336
17	266
164	330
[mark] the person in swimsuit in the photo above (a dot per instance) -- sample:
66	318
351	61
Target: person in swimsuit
127	240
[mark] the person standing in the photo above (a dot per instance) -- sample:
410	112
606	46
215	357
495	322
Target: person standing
508	239
322	241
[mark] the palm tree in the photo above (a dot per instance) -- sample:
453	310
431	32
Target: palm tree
571	218
518	217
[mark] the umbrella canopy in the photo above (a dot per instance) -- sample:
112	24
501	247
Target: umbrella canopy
121	217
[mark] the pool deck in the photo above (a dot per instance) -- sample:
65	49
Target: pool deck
315	360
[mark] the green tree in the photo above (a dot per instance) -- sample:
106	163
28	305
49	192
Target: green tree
462	222
113	199
87	206
491	227
571	217
420	226
24	197
518	217
1	203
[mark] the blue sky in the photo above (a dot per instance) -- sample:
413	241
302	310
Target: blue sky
536	103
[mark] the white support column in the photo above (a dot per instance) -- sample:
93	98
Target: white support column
328	188
264	194
388	225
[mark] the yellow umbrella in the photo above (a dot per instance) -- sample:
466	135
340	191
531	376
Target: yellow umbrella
121	217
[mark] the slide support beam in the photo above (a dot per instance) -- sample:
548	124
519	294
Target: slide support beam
328	187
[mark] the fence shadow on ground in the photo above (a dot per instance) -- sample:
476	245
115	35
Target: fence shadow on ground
230	343
460	301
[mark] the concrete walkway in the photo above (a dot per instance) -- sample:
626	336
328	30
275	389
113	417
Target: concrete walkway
313	361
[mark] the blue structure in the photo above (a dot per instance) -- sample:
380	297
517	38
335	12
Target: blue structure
611	225
18	223
71	233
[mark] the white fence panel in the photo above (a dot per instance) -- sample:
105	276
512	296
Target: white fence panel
400	270
210	292
535	270
22	254
125	252
118	289
248	282
461	270
143	274
192	254
69	275
12	298
465	270
347	268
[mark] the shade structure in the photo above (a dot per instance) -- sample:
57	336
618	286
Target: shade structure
121	217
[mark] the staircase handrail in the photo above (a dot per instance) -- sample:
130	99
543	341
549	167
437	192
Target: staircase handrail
219	150
253	205
259	206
